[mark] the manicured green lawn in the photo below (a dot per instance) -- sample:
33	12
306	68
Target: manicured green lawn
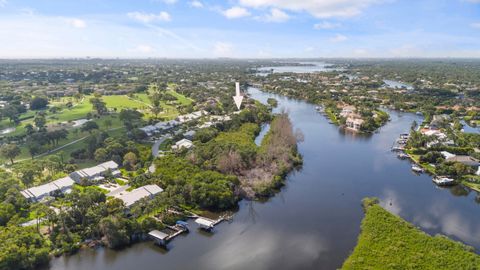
389	242
472	181
77	112
124	102
180	98
331	116
427	167
474	186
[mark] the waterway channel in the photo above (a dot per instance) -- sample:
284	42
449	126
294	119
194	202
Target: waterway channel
314	221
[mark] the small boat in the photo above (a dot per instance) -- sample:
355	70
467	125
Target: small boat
397	148
182	224
319	109
417	168
443	181
403	156
402	141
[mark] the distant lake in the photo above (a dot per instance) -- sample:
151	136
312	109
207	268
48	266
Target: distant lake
397	84
303	67
469	129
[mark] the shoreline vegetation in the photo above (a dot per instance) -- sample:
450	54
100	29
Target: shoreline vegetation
224	167
389	242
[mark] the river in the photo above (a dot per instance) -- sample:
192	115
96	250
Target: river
314	221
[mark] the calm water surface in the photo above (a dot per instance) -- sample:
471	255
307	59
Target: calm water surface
309	67
314	222
397	84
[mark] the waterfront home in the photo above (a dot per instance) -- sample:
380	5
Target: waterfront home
62	185
160	126
447	155
148	191
354	123
183	143
96	173
347	110
189	134
466	160
149	130
191	116
433	132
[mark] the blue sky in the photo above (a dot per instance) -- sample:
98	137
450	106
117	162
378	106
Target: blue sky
239	28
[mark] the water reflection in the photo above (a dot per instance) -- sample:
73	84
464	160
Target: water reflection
260	248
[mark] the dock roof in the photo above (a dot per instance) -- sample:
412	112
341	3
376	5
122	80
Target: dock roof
158	235
204	222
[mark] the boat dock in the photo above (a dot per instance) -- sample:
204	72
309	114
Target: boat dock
208	224
163	237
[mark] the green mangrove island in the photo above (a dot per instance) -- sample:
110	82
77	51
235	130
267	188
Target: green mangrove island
389	242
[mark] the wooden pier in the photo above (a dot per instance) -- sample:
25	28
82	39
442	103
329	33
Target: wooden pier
162	238
177	231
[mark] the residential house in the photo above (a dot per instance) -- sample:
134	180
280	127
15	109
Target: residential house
62	185
467	160
347	110
96	173
189	134
148	191
354	123
183	143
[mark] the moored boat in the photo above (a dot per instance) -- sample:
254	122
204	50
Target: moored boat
443	181
417	168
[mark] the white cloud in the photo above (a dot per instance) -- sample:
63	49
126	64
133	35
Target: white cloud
143	49
276	15
309	49
406	50
223	49
361	53
338	38
196	4
476	25
149	17
27	11
264	54
317	8
326	25
77	23
236	12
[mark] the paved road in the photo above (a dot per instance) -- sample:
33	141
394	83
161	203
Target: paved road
115	192
156	145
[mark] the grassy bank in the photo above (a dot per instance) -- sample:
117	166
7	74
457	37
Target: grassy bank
331	115
389	242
